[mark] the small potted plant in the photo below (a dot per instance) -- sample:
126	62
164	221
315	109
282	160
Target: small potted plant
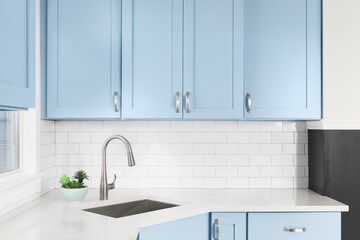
75	190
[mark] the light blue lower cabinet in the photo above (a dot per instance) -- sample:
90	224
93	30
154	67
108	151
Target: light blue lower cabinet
294	226
192	228
249	226
228	226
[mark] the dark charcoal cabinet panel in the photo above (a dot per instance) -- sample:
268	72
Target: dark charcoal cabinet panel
334	171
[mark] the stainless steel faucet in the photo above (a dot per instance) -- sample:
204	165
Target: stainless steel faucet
104	186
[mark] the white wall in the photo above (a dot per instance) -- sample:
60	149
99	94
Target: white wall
341	65
211	154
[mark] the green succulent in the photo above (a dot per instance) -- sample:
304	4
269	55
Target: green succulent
80	176
77	180
64	180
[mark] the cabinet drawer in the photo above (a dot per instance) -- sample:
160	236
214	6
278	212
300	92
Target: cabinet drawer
294	226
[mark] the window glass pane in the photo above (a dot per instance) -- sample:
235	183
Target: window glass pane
9	141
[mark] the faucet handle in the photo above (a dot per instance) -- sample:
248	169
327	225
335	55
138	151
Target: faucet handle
112	185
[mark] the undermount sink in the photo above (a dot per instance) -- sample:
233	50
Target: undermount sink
130	208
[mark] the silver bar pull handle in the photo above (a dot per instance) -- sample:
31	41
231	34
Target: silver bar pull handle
116	101
248	98
177	102
187	102
217	229
294	230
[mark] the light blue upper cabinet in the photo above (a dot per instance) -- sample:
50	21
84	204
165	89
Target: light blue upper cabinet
17	54
213	59
282	59
228	226
83	59
152	59
191	228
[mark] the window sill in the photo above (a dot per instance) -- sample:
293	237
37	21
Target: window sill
16	178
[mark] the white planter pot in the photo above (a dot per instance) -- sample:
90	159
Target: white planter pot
74	195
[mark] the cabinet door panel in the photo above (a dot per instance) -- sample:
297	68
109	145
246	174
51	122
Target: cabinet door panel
152	58
283	59
213	58
83	59
192	228
269	226
17	54
230	226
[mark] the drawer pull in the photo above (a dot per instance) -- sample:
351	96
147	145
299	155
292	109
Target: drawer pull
217	229
248	98
116	101
187	102
295	230
177	102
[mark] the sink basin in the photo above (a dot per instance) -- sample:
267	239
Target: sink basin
130	208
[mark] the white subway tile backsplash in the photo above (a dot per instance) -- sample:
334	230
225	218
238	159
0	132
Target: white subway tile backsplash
259	182
248	148
181	126
249	126
271	126
94	126
181	171
67	148
169	182
237	182
237	160
192	182
201	126
259	160
158	126
79	137
240	137
271	148
282	182
170	137
204	171
226	148
148	137
282	137
282	160
248	171
215	137
260	137
192	160
226	126
289	126
214	182
204	148
226	171
214	160
181	154
61	137
293	149
271	172
192	137
181	148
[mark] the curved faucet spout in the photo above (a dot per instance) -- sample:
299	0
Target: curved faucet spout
104	186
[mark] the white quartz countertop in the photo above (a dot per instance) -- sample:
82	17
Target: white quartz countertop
52	218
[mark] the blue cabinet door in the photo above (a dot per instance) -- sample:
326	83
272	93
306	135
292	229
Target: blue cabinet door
152	59
282	59
294	226
192	228
17	54
213	59
228	226
83	59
